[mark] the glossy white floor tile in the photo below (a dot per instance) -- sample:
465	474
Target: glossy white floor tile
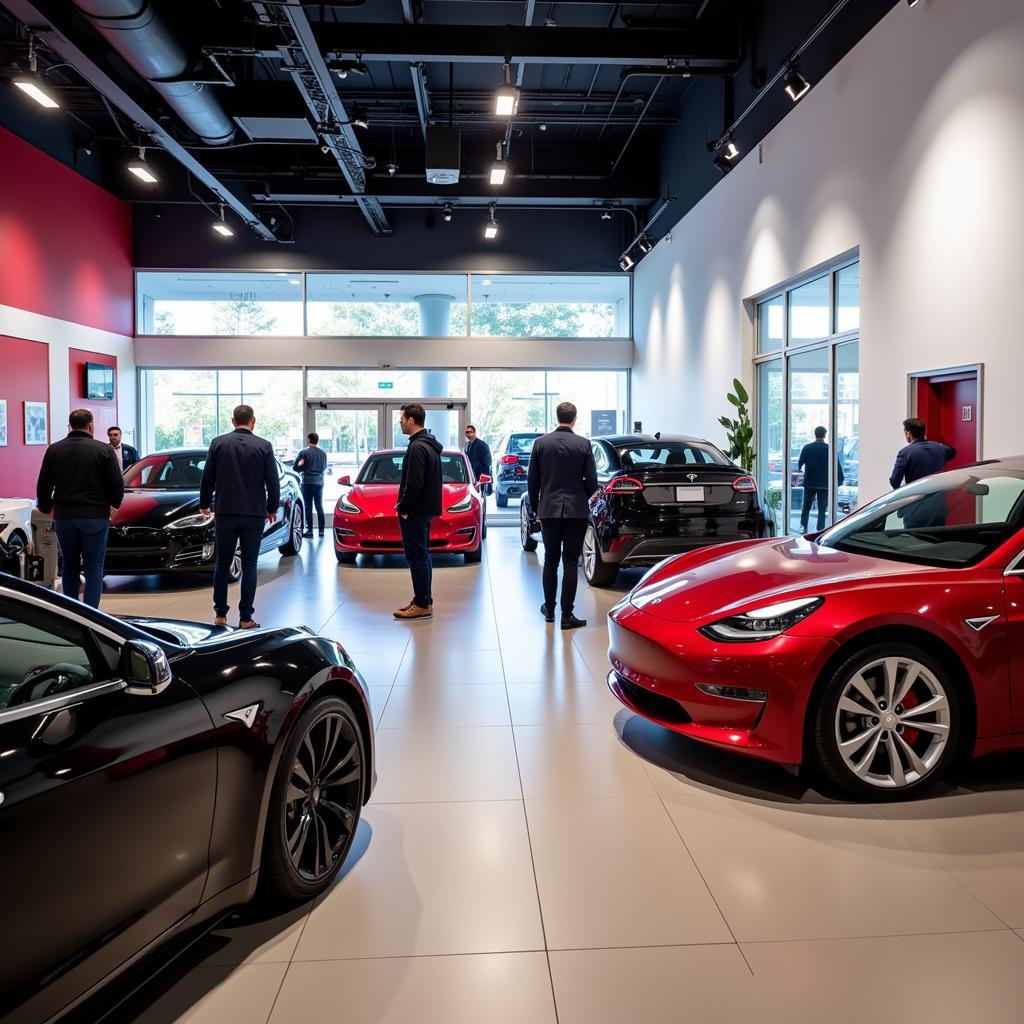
535	853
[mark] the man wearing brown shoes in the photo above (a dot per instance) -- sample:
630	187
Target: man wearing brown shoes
419	500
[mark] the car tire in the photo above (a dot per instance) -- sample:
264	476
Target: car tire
483	525
501	500
235	566
307	836
474	556
874	762
294	543
345	557
597	571
528	540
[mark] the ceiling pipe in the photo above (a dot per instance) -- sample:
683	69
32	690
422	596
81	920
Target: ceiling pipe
135	30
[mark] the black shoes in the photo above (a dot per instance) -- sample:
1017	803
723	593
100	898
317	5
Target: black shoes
309	533
549	616
571	622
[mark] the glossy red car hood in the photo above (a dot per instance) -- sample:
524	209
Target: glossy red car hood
379	499
729	578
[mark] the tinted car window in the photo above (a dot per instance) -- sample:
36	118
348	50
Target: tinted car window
387	469
672	453
167	472
521	444
600	457
952	519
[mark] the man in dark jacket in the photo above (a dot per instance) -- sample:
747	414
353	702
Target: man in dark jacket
80	482
311	463
561	480
241	482
419	500
126	454
479	454
920	457
814	463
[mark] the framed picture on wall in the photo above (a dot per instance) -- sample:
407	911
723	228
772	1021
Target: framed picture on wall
3	422
35	423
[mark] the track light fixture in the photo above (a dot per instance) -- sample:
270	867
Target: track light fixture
506	99
795	82
221	227
606	211
344	68
911	3
446	213
500	168
730	150
491	227
32	85
626	262
723	163
645	245
141	169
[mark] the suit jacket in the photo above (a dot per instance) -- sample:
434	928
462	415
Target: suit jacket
129	455
814	463
920	458
479	454
562	475
240	477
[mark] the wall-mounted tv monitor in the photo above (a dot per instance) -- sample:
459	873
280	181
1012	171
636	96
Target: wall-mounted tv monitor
99	382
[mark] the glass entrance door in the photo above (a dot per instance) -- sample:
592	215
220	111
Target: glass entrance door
446	422
347	434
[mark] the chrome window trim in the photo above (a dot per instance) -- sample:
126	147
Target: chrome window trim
1016	566
61	701
63	613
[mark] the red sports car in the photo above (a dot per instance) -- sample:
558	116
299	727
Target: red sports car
872	651
365	519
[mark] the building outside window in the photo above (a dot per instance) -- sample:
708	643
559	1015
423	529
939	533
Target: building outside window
807	376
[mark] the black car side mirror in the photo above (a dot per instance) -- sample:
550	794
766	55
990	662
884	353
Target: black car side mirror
145	667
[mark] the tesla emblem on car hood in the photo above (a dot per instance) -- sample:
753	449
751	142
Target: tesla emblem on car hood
980	622
246	715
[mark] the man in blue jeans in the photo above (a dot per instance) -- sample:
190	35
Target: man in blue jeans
311	463
419	500
241	482
80	483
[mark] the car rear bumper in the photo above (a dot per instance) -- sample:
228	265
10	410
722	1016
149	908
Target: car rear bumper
647	544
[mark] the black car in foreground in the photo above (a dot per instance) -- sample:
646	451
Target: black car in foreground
159	527
153	774
659	495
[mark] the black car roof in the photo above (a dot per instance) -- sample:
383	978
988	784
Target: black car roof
178	451
625	440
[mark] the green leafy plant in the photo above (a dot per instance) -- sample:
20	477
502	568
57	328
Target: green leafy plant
739	431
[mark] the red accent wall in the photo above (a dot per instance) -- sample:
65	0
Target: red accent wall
25	377
65	243
941	401
104	413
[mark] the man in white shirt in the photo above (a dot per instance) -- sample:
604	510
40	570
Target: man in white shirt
125	453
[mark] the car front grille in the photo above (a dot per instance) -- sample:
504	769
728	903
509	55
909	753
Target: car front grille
656	705
137	539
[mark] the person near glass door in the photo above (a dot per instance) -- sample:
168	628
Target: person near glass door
479	454
312	463
814	463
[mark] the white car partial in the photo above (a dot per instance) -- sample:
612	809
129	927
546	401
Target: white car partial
16	521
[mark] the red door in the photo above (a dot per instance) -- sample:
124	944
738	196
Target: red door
948	404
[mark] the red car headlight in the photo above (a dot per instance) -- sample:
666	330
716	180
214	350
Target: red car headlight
762	623
463	504
345	504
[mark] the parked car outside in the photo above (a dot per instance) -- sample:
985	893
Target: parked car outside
512	464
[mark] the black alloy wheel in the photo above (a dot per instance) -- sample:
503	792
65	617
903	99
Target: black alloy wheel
294	543
527	538
316	801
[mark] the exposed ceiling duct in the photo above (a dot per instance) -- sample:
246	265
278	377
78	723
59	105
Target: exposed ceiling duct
136	31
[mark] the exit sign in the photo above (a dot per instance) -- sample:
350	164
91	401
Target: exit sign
385	385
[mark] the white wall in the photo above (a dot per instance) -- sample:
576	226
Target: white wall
910	149
61	336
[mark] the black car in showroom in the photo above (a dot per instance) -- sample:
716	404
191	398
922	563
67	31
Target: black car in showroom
512	463
154	774
659	495
160	528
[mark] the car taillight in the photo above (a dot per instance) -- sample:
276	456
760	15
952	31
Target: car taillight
508	460
744	485
624	485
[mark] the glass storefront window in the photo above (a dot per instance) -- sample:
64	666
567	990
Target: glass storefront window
387	305
848	298
809	311
549	306
386	384
770	463
219	304
809	407
847	403
770	324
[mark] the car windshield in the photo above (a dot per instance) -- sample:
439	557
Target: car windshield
671	453
167	472
951	519
387	469
521	444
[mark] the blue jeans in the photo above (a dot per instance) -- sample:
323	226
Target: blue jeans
246	533
83	544
416	541
313	495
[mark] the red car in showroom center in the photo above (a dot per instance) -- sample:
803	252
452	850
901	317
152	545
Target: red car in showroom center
872	652
365	520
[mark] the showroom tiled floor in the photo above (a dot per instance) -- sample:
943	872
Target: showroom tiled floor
535	853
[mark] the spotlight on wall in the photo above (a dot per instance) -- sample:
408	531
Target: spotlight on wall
506	99
491	227
626	262
499	169
446	213
645	245
730	150
221	227
141	169
795	82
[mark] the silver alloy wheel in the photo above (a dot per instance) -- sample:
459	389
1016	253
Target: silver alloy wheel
296	527
589	553
235	569
524	524
892	722
323	796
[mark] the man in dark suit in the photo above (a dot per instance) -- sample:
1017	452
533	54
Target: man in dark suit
479	454
920	457
126	454
814	463
561	480
80	482
241	481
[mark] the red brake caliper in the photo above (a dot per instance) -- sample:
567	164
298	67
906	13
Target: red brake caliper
910	734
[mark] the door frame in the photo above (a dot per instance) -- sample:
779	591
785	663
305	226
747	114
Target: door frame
953	373
384	411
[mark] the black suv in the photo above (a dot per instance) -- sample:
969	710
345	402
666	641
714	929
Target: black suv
511	465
